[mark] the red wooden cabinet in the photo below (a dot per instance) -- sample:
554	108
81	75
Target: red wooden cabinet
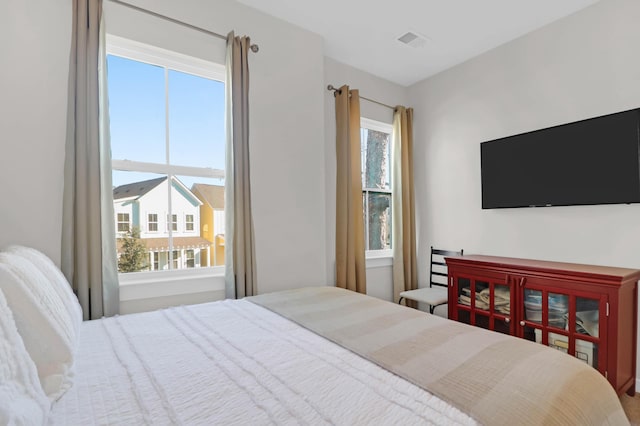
587	311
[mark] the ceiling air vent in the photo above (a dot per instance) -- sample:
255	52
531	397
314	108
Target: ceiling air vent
412	39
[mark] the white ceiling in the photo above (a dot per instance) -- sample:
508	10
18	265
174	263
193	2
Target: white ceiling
363	33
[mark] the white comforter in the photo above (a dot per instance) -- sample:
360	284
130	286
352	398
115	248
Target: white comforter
232	362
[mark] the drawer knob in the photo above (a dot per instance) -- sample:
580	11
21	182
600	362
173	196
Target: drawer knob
507	320
522	323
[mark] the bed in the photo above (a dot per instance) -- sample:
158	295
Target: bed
318	356
257	361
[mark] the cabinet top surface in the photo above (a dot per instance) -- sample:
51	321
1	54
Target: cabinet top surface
619	274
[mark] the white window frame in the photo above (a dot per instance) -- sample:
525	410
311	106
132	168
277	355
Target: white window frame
378	256
120	222
188	252
153	55
172	225
188	222
175	256
156	260
154	222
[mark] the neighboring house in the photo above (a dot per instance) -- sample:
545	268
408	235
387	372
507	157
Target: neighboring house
144	205
211	220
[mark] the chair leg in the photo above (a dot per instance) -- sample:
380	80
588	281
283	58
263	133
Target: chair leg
400	301
431	309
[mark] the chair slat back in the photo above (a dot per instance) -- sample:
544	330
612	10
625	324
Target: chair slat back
438	267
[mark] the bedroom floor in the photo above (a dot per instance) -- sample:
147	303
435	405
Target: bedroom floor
632	408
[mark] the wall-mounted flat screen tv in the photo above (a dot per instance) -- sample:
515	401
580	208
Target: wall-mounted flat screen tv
594	161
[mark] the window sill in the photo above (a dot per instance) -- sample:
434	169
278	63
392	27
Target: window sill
144	285
379	258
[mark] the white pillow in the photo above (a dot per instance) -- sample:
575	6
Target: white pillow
22	400
56	278
42	320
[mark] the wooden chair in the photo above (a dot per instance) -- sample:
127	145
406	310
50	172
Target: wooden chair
437	292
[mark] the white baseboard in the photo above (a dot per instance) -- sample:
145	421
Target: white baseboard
637	385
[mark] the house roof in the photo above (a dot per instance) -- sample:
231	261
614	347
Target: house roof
136	189
213	195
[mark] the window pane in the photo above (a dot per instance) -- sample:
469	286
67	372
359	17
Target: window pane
152	222
196	121
379	220
376	155
176	259
188	222
208	219
172	222
154	255
375	150
190	259
136	110
142	199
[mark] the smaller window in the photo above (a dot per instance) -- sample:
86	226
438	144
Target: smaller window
123	222
173	220
176	256
191	259
188	222
375	143
152	222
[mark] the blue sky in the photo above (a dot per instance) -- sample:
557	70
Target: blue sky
137	118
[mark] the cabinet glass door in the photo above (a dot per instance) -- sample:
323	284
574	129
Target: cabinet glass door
564	320
484	302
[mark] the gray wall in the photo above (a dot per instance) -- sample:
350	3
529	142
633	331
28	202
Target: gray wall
287	126
35	39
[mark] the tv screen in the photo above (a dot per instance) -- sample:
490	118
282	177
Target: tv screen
594	161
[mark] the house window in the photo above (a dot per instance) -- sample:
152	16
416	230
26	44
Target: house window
153	260
188	222
176	259
123	222
173	220
152	222
167	126
375	143
190	258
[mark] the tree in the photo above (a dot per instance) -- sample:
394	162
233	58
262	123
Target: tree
134	253
375	177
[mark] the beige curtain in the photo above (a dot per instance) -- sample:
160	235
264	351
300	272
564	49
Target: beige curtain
405	275
240	259
88	235
350	261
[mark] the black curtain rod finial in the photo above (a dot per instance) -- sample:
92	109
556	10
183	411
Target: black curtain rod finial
330	87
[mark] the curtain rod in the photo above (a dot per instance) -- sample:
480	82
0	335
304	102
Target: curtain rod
254	47
330	87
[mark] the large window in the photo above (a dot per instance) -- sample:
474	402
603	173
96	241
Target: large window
167	128
375	139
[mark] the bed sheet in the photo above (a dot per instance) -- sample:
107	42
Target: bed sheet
232	362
